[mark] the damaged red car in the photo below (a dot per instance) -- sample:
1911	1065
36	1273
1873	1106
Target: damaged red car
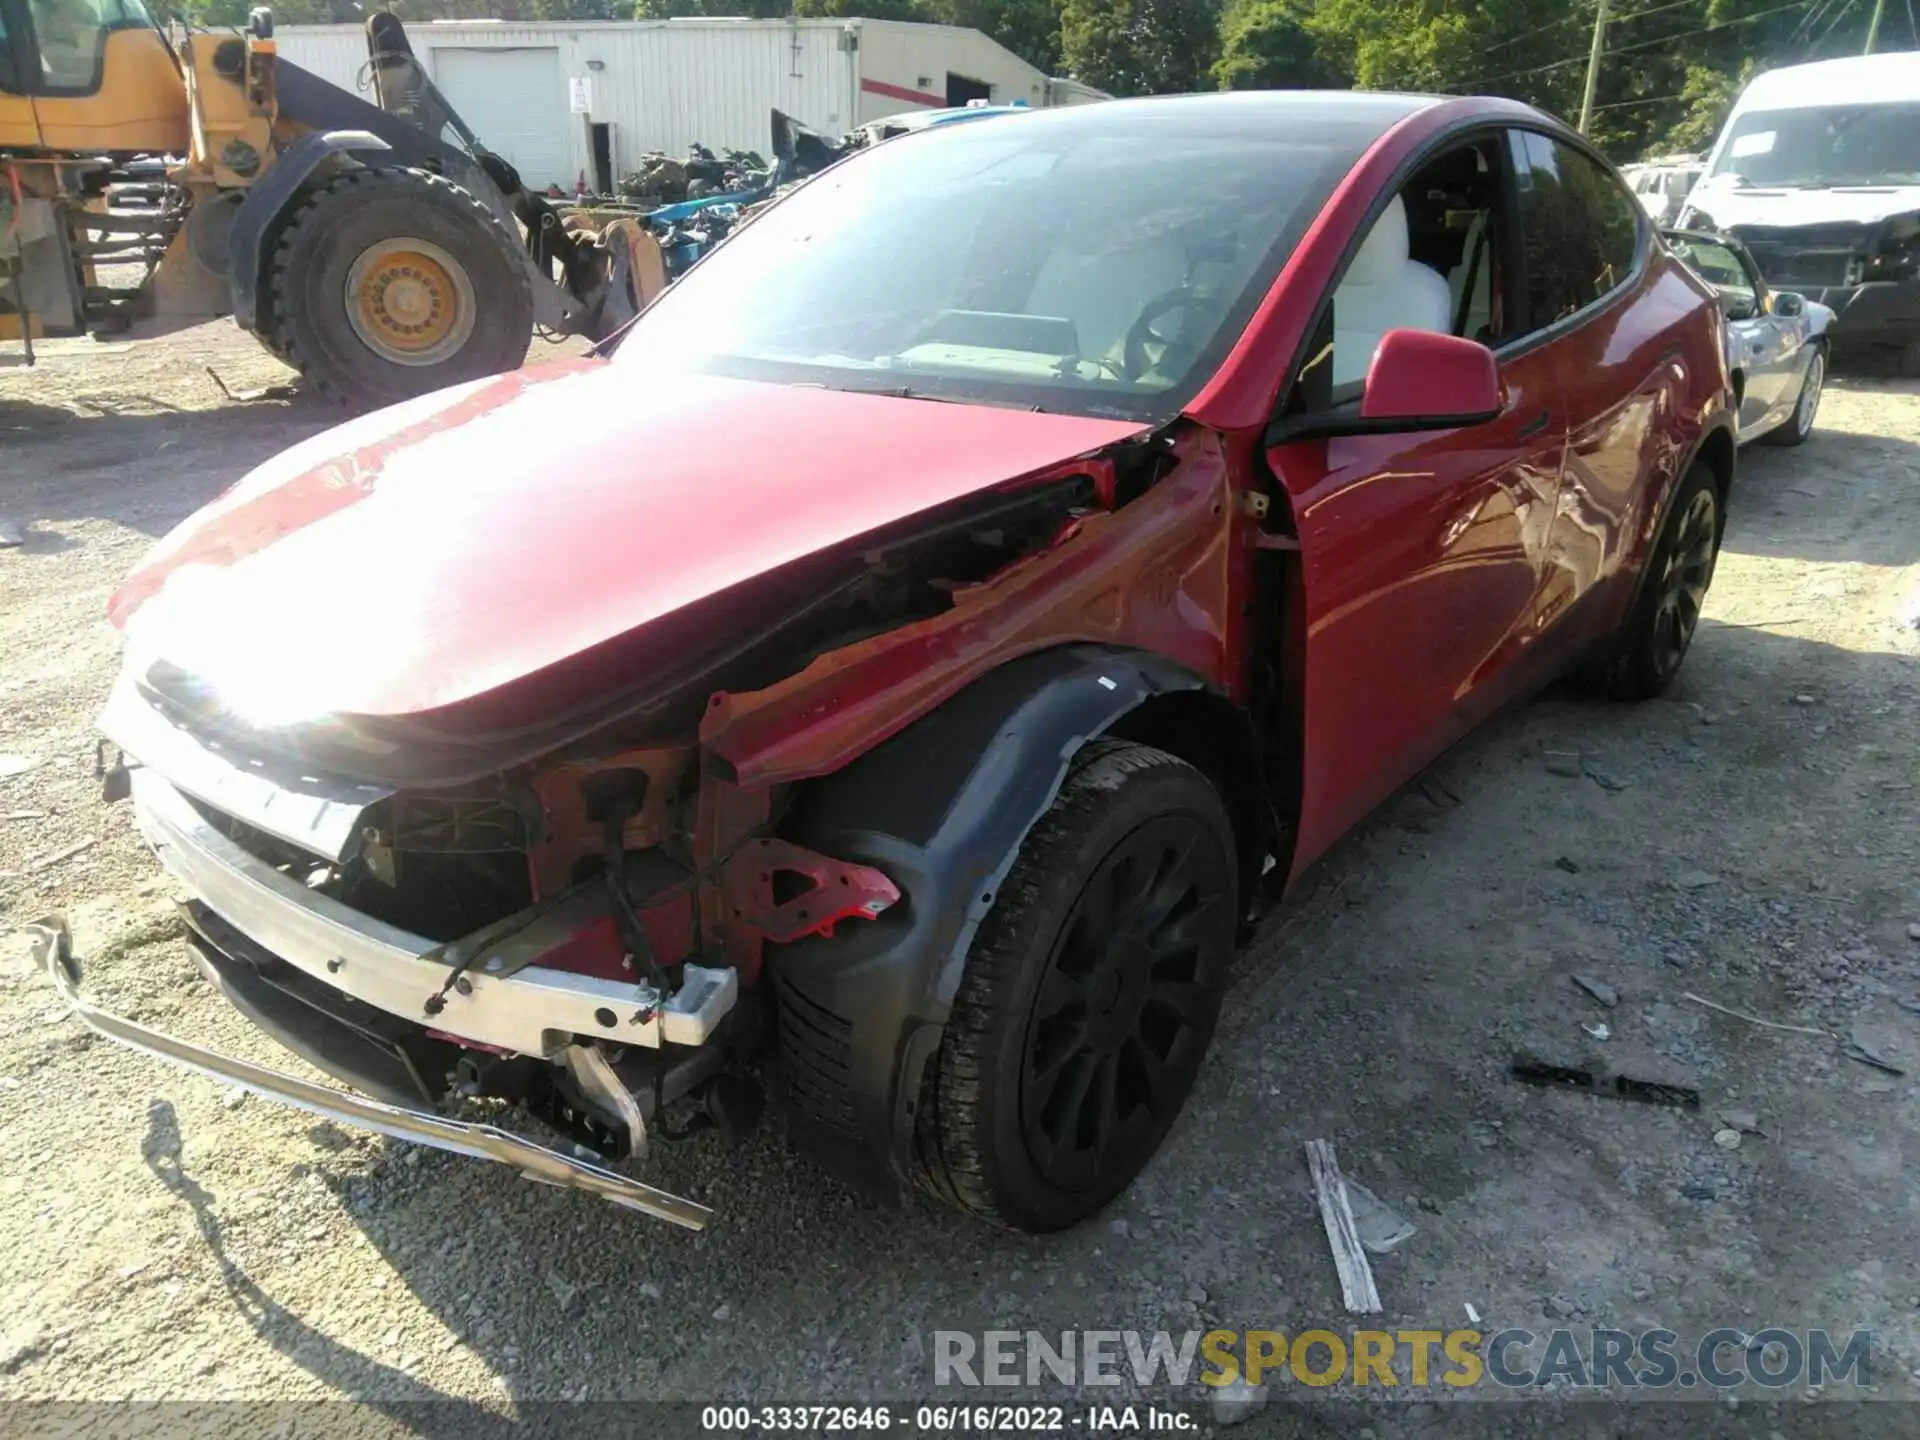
896	679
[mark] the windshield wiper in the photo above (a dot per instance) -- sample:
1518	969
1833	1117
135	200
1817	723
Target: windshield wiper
903	392
907	392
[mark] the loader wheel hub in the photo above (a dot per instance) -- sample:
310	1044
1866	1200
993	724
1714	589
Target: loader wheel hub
410	302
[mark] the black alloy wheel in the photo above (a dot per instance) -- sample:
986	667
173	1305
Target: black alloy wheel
1683	585
1124	1008
1089	995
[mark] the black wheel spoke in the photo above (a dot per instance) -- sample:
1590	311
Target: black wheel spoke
1184	1000
1097	907
1687	604
1103	1103
1061	1112
1146	1066
1179	937
1060	994
1171	886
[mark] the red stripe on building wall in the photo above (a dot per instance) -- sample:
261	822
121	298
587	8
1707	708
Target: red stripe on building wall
900	92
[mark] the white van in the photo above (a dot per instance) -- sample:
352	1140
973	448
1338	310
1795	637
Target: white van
1818	172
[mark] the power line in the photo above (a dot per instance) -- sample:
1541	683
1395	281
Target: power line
1648	100
1539	30
1834	24
1654	10
1873	25
1704	29
1641	45
1812	18
1574	15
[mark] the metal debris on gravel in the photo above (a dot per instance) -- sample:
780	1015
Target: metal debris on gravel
1598	989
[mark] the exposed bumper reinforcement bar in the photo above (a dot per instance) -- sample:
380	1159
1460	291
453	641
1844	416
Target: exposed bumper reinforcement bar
534	1010
53	952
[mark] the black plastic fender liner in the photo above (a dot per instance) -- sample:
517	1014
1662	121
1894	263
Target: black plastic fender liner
941	809
268	200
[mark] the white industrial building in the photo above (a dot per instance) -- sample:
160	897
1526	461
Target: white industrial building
561	99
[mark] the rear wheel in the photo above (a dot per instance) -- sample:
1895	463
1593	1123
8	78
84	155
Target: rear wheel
1799	425
390	283
1645	653
1089	997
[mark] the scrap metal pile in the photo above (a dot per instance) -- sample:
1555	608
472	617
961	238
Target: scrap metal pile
663	180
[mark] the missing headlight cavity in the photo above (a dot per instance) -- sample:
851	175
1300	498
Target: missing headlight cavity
441	866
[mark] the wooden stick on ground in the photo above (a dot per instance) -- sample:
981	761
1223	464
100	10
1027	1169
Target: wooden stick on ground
1753	1019
1336	1213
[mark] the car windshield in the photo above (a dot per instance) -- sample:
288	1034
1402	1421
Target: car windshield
1825	145
1072	260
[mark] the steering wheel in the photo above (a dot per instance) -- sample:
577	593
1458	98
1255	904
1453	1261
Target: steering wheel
1136	360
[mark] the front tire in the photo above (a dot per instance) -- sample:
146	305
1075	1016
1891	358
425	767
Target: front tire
1645	653
389	283
1089	997
1806	405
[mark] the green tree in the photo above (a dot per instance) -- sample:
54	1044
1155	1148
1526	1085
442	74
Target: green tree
1267	45
1140	47
1029	28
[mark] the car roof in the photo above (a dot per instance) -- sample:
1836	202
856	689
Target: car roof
1383	107
1852	80
1308	116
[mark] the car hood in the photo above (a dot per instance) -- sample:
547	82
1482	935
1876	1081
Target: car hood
1731	205
437	550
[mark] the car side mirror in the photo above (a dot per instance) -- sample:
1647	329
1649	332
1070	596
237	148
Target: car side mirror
1419	380
1789	303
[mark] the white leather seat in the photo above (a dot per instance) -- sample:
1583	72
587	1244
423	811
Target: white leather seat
1384	290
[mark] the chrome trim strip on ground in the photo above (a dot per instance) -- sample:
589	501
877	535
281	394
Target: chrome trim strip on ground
53	952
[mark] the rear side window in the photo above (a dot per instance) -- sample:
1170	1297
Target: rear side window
1580	231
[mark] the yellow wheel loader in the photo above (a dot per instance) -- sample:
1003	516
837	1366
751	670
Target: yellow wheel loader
378	248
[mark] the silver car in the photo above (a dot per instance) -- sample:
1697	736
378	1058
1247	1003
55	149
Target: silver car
1777	340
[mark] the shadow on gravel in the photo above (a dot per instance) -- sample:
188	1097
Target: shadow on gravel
147	471
348	1372
1828	500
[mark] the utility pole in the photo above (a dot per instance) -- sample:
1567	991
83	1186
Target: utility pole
1593	63
1873	26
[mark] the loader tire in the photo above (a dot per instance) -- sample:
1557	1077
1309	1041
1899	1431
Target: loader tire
388	283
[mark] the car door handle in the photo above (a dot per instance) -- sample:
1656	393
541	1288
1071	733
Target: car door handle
1533	426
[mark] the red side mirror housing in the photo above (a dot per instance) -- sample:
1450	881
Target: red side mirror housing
1431	382
1418	380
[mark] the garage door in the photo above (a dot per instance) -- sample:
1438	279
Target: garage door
515	101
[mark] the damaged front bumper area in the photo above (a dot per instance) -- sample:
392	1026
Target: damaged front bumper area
53	950
498	1001
408	1022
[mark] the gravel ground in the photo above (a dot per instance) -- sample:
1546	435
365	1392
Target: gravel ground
1751	839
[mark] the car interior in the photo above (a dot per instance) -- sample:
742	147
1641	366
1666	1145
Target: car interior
1721	269
1431	262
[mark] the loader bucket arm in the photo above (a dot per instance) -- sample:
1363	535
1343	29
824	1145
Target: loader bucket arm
400	82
